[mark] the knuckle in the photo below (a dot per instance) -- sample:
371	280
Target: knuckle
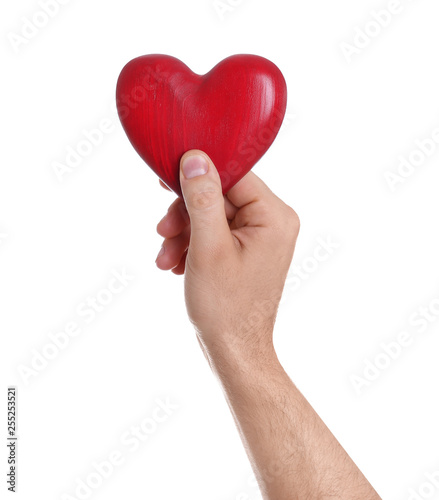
289	222
294	220
204	199
291	227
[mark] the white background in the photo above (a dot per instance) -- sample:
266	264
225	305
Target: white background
347	124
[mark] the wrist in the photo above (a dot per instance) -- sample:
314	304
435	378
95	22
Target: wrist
229	353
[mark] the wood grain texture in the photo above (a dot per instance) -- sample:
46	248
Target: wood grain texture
233	113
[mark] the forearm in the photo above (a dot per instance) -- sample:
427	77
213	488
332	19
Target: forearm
292	452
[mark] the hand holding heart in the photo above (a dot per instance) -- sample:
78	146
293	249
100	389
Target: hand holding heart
201	135
235	251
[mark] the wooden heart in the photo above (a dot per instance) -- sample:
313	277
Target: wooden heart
233	113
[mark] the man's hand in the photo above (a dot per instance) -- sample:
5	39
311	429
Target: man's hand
240	249
235	251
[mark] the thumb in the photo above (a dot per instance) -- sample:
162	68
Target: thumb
202	193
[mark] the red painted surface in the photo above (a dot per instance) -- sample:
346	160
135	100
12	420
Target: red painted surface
233	113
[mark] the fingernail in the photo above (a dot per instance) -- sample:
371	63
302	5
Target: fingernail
194	165
162	251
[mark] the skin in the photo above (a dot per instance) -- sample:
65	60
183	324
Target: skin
235	252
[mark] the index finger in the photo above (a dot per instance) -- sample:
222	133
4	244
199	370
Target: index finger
248	190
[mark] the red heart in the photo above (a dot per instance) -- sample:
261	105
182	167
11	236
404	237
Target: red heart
233	113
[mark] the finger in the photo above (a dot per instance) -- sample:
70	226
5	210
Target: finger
179	269
164	185
248	190
174	222
172	251
202	193
229	208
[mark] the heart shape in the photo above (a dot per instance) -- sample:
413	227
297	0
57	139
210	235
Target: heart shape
233	113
